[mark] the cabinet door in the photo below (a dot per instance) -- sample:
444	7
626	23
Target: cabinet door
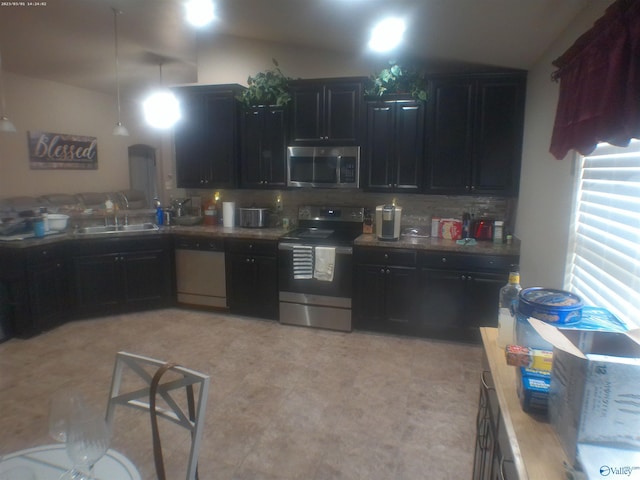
380	149
190	135
409	146
266	301
48	293
146	278
206	138
252	285
274	148
326	112
251	147
307	114
221	153
498	136
370	299
342	112
98	283
400	294
442	299
482	295
450	136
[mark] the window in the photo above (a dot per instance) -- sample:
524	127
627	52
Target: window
604	254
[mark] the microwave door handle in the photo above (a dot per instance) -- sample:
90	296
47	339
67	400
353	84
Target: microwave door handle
338	163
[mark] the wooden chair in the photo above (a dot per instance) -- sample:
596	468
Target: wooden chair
182	380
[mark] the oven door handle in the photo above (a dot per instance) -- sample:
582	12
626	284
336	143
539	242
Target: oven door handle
339	250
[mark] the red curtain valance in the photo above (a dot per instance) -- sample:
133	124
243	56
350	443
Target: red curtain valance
600	84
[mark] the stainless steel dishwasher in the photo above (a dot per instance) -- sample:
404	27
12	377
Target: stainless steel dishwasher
200	271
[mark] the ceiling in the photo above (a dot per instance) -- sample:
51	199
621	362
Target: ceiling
72	41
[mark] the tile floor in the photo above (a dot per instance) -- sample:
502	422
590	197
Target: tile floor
285	402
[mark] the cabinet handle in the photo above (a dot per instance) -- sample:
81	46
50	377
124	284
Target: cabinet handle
44	252
463	277
382	270
247	260
253	260
444	259
251	245
388	271
386	256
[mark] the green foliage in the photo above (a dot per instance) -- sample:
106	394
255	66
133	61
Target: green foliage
399	79
270	87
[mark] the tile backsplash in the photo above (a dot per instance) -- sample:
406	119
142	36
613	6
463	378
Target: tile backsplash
417	209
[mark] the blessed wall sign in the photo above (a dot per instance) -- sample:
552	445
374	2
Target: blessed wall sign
57	150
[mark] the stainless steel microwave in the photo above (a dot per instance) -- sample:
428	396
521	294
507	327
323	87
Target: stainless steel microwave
323	167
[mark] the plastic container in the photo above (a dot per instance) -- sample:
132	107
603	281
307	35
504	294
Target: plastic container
38	227
550	305
557	307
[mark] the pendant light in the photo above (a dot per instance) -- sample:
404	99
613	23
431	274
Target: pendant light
5	124
119	129
161	108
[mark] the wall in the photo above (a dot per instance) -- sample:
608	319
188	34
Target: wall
546	185
38	105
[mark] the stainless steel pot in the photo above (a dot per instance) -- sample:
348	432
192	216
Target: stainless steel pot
253	217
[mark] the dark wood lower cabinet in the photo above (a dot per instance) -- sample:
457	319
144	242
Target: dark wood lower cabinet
122	276
252	278
385	289
428	294
35	289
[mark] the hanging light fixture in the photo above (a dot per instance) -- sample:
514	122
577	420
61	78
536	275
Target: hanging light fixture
119	129
161	108
5	124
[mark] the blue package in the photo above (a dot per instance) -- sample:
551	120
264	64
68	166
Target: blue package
533	392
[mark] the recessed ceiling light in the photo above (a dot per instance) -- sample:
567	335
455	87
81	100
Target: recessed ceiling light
199	12
387	34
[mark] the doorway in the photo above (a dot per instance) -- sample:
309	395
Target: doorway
142	171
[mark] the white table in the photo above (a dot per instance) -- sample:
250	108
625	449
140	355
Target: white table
48	462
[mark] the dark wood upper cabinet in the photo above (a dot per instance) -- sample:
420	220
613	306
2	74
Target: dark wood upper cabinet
207	140
394	148
263	148
327	111
474	134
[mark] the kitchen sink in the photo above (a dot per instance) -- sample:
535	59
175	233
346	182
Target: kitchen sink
110	229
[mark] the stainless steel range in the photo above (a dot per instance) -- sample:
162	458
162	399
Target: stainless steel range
315	267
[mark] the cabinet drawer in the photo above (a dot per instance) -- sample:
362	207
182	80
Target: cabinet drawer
456	261
200	243
252	247
45	253
386	256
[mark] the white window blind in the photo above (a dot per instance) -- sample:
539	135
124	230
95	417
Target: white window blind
604	255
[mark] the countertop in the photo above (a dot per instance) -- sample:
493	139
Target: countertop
536	449
364	240
482	247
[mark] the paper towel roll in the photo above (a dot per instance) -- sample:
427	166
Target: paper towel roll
228	214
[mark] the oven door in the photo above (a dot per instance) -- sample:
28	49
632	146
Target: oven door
312	302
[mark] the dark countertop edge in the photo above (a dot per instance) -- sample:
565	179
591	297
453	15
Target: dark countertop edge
364	240
483	247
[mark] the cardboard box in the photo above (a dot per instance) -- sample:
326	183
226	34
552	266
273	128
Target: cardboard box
595	387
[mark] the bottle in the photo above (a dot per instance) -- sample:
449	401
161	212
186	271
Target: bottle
159	215
507	307
498	231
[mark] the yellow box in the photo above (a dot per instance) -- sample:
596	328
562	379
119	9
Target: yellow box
520	356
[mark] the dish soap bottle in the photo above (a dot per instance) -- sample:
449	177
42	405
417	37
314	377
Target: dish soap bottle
507	307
